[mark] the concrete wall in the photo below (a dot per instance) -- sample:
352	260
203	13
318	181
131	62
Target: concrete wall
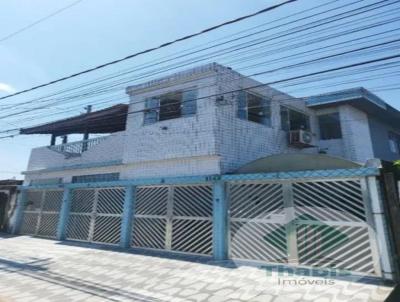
380	139
240	141
214	140
178	146
357	143
110	149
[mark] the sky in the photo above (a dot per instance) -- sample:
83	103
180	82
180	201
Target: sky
96	31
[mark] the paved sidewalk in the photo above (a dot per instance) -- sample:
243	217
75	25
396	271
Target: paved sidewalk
34	269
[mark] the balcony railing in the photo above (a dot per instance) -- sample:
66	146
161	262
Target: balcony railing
74	149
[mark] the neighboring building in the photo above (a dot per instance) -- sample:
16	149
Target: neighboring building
8	202
212	120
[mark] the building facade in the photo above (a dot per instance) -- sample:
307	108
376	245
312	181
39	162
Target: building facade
212	120
212	163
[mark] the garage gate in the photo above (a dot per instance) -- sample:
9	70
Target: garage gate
96	215
41	214
309	223
176	218
319	222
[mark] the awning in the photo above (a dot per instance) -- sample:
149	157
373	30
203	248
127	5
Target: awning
109	120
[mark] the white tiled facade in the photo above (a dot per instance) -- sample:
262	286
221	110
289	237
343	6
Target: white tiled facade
213	141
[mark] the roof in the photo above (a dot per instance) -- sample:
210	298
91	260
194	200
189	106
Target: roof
360	98
108	120
8	184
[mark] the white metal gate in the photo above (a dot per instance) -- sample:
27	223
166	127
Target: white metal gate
316	223
177	218
42	213
96	215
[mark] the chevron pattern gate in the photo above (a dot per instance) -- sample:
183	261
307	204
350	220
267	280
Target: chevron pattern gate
177	218
42	213
315	223
96	215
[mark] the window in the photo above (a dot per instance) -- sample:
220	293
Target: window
394	142
46	181
95	177
170	106
254	108
294	120
329	126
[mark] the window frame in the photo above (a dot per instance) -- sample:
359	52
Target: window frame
97	177
243	108
188	97
322	134
288	109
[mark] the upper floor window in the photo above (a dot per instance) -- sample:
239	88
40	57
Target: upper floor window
394	142
254	108
294	120
329	126
170	106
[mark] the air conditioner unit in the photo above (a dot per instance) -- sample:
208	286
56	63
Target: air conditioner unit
300	138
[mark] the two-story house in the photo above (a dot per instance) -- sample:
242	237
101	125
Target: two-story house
186	166
212	120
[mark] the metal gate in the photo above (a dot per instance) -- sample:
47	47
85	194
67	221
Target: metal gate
96	215
316	223
42	213
177	218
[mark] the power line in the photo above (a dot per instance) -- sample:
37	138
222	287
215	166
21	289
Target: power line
207	30
207	56
30	110
264	72
152	63
9	36
267	84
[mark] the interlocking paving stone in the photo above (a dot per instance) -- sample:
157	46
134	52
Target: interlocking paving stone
33	269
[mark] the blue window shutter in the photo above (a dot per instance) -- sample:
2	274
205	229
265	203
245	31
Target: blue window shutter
189	102
242	105
150	114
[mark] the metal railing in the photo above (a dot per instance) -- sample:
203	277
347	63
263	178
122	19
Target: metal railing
77	148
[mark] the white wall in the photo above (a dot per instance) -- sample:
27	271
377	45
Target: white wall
356	134
213	141
240	141
150	150
110	149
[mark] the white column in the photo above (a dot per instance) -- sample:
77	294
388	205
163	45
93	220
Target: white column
381	228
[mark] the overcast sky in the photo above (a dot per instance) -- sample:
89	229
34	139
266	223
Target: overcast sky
95	31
